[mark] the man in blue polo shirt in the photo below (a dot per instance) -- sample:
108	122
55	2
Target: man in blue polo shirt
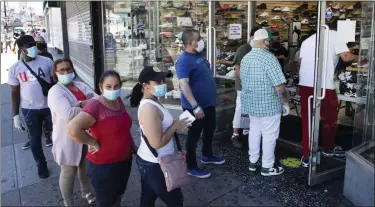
198	97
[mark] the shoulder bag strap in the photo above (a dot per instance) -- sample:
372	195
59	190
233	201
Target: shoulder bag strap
153	151
31	71
178	144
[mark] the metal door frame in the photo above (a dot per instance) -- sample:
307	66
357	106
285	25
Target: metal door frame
321	54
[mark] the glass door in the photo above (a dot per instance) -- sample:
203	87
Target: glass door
359	88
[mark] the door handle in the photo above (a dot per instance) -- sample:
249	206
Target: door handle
214	51
309	116
325	61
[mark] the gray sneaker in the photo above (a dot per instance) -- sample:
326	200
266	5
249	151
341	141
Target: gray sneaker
235	141
275	170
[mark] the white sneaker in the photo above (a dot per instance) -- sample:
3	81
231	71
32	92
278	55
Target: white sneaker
264	14
170	15
349	7
177	41
277	17
285	9
166	25
231	74
305	21
357	12
342	16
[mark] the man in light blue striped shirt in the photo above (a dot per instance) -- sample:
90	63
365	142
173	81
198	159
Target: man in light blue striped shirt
263	97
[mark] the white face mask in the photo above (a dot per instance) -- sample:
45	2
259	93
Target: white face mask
200	46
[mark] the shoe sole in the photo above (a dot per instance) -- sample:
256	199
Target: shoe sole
267	174
25	148
215	163
252	169
202	176
304	164
48	145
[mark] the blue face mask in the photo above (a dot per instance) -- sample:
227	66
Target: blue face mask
252	43
111	95
32	52
160	90
66	78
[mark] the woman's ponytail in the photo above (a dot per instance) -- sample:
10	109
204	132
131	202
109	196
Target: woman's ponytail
136	95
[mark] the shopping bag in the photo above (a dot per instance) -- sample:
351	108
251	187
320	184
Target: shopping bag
245	121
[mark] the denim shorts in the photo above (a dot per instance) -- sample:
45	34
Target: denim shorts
109	180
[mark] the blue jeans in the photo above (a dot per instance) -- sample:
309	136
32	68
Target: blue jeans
153	185
34	119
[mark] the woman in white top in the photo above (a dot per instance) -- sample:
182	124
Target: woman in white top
66	99
158	127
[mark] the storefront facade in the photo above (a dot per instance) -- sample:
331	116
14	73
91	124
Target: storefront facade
126	36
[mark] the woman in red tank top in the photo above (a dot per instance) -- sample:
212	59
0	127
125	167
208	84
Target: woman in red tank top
110	144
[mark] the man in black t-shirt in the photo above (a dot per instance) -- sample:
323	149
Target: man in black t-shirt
240	53
42	47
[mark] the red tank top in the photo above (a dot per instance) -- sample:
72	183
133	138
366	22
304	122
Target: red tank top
79	95
112	130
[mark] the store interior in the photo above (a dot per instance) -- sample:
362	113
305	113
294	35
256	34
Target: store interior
142	33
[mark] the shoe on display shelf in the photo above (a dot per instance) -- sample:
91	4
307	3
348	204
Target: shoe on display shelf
349	16
276	9
264	14
166	25
167	59
357	12
225	7
166	34
285	9
336	14
140	26
357	5
277	17
335	6
275	26
170	15
262	6
349	8
342	10
305	21
305	161
306	13
295	18
231	74
179	35
350	94
177	41
313	16
342	16
285	19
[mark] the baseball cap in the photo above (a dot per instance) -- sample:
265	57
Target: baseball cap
25	40
261	34
151	73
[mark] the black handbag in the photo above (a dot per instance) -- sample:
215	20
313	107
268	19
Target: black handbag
44	84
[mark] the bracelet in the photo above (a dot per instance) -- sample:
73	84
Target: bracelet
197	109
194	107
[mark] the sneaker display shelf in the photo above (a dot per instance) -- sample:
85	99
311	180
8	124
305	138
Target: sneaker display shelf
277	16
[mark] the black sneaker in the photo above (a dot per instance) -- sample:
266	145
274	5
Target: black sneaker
43	171
235	141
337	151
275	170
26	146
253	166
305	162
48	142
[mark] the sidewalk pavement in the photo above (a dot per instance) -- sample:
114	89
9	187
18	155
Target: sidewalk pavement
20	184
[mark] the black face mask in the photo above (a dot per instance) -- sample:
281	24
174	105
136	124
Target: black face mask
41	46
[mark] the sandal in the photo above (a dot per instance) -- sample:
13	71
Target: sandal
90	198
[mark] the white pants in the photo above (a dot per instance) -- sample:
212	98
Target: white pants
237	113
268	128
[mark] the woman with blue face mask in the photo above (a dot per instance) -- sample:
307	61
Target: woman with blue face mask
66	99
158	127
111	145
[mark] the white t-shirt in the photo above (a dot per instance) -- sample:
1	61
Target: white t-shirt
307	54
31	92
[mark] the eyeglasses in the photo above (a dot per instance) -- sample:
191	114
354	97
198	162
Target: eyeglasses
64	70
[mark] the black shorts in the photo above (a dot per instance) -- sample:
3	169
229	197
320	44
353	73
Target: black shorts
109	180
